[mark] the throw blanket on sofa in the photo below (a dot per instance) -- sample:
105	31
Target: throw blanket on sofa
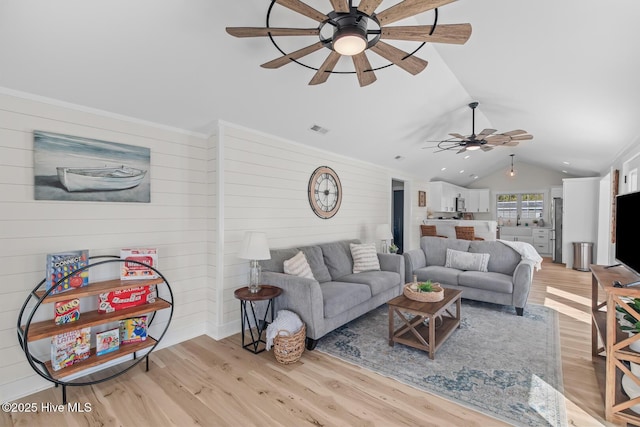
526	251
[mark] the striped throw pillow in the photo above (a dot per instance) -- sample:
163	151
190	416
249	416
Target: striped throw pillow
365	257
298	266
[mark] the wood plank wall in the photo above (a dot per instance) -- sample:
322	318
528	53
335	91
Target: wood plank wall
176	221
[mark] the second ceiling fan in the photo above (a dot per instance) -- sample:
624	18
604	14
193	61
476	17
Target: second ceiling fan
485	140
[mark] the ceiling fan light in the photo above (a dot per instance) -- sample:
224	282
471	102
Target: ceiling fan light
349	42
473	147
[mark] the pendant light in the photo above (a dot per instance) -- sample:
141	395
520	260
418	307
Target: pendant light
512	172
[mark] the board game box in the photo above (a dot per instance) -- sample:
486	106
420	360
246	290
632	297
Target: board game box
59	265
107	341
109	302
70	347
135	271
67	311
133	329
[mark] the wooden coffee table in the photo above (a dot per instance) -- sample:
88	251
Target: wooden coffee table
414	332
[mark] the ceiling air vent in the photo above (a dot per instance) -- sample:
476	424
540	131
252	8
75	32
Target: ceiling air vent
319	129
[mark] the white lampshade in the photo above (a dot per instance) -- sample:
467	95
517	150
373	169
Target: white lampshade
383	232
254	246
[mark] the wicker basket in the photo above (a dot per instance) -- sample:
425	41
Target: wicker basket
411	292
289	347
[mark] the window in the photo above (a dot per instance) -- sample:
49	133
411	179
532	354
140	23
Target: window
523	205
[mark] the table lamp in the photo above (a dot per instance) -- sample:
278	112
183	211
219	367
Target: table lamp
383	233
254	247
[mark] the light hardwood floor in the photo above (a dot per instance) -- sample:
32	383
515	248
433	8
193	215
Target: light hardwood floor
216	383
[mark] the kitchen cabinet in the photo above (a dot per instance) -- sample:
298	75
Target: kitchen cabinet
477	200
541	240
442	196
516	234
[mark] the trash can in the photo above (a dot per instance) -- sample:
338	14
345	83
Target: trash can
582	255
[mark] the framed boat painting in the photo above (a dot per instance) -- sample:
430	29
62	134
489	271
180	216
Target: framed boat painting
75	168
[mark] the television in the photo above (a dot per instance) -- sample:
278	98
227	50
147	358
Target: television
628	231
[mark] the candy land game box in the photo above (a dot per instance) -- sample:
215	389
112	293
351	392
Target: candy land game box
59	265
70	347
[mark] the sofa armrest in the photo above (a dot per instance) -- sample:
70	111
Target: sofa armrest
300	295
522	279
392	262
413	260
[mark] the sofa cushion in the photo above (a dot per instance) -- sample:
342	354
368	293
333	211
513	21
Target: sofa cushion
378	281
337	257
278	257
435	248
338	297
496	282
435	273
466	260
502	259
298	266
316	262
365	257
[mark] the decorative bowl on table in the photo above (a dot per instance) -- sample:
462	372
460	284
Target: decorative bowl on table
413	292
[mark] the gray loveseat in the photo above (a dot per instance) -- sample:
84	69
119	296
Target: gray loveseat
507	281
336	295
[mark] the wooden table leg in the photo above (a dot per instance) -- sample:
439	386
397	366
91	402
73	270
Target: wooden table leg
391	328
432	337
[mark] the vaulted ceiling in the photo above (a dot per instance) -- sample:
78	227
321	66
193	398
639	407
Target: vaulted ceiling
564	71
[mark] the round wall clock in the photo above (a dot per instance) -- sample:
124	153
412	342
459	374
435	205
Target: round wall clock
325	192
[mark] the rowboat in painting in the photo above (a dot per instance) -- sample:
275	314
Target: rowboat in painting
100	179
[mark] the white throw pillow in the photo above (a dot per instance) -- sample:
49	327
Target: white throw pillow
466	260
365	257
298	266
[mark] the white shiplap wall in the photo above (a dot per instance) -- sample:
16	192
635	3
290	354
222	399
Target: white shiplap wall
265	188
177	221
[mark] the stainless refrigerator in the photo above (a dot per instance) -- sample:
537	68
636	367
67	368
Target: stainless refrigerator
556	229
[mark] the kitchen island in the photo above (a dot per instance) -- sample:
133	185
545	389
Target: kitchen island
446	227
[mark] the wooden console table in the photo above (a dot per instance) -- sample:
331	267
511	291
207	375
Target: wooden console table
611	356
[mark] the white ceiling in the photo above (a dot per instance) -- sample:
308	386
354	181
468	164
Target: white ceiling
565	71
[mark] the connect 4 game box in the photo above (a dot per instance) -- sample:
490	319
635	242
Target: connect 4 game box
135	271
59	265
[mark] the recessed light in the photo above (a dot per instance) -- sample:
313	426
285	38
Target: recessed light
566	163
564	171
475	177
466	157
443	169
462	171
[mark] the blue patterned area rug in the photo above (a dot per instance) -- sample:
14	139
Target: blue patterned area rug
497	363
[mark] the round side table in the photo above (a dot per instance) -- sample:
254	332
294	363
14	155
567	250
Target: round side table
266	293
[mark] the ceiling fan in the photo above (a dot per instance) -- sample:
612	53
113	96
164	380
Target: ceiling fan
351	30
485	140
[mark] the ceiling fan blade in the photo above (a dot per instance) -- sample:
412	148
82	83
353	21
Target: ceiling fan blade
444	33
363	69
304	9
408	8
511	143
457	135
368	6
485	132
497	139
283	60
325	69
514	132
521	137
340	5
411	64
263	32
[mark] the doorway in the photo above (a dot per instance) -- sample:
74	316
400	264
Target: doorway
398	214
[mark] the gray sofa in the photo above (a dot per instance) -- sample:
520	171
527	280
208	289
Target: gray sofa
507	281
336	296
